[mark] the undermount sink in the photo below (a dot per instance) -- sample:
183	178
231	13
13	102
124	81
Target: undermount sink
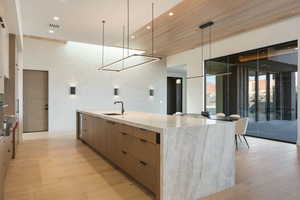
112	114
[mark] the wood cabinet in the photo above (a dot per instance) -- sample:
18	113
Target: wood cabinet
5	156
90	131
114	142
136	151
83	130
2	167
100	129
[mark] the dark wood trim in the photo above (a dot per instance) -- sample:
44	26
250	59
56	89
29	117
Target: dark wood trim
78	125
268	88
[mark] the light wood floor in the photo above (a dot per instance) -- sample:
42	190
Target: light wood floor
61	168
58	167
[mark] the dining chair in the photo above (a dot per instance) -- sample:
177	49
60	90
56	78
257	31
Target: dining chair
220	115
240	130
235	116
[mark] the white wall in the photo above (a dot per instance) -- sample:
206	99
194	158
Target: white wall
76	64
280	32
192	60
4	72
19	90
4	41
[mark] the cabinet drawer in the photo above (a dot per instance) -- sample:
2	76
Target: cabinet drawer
145	151
126	142
139	170
114	147
127	163
100	136
149	136
83	131
124	129
146	175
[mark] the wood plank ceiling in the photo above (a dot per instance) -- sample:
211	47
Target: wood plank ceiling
180	32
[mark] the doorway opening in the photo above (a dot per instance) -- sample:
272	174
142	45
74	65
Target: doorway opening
35	101
176	89
174	95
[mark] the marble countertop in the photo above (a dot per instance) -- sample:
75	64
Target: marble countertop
155	122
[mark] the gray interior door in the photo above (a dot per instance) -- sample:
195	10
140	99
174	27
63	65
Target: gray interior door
35	94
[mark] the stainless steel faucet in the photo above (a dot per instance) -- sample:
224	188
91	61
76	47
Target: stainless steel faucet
122	103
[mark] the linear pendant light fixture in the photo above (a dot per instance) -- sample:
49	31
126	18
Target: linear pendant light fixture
203	27
130	61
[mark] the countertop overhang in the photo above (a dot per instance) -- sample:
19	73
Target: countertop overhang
155	122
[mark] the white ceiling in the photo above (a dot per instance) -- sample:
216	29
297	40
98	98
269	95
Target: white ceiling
80	20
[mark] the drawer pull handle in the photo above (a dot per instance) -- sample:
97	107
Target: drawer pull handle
124	152
124	133
142	140
143	163
141	129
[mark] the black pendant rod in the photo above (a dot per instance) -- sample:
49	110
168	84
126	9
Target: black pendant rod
128	28
152	58
210	43
103	26
152	29
123	45
202	48
203	27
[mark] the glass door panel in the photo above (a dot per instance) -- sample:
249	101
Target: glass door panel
262	87
215	82
262	98
211	106
251	98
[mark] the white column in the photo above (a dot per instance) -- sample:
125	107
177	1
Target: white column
298	91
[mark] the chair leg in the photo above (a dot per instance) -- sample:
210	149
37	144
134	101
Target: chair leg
236	143
240	139
246	141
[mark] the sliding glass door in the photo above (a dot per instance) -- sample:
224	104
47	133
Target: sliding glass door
260	85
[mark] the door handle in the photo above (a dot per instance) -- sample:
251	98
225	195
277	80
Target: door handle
46	107
143	163
142	140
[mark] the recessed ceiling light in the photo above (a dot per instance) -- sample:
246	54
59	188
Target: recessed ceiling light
171	13
133	37
56	18
148	27
51	31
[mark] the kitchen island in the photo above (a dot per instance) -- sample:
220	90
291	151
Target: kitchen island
175	157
